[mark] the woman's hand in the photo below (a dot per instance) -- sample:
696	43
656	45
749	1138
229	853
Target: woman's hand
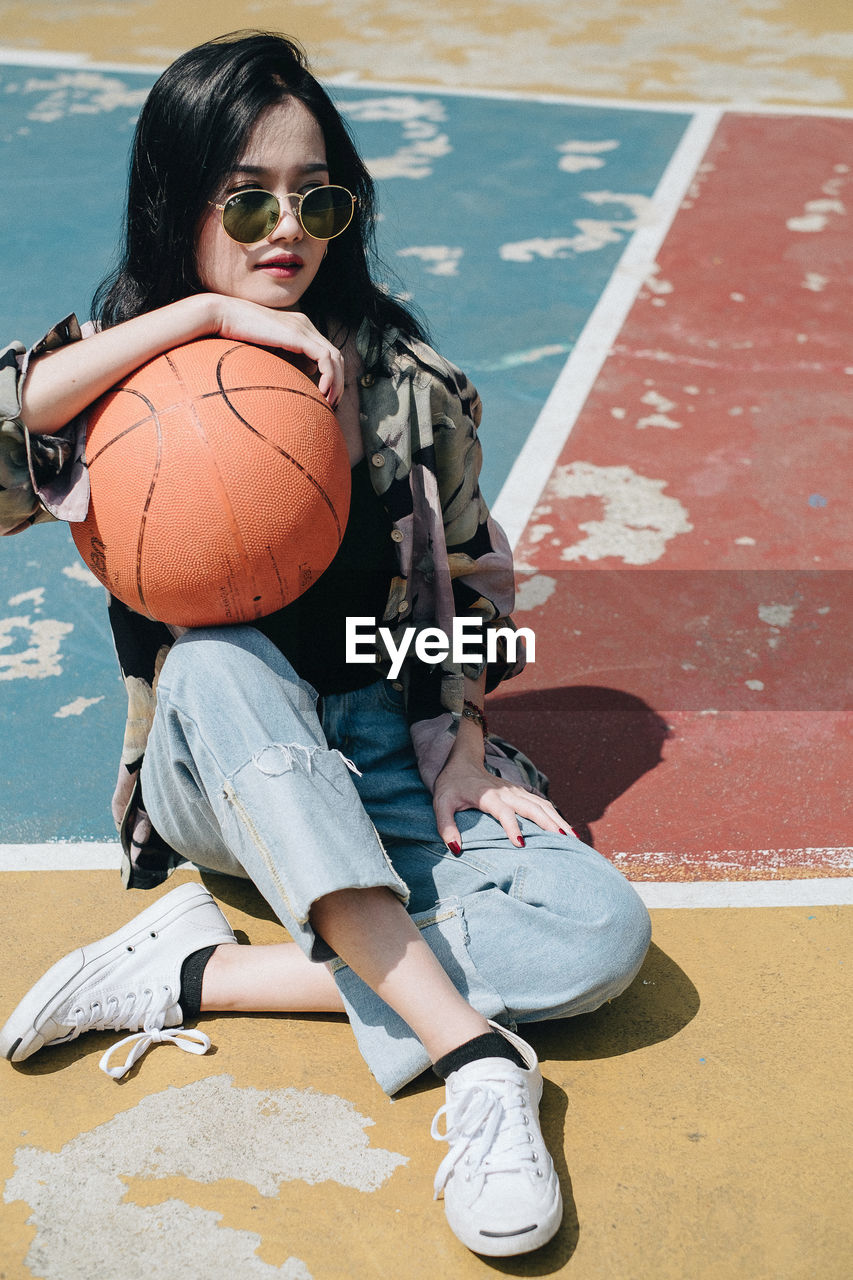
465	783
245	321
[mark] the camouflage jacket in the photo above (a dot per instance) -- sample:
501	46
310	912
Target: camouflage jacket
419	420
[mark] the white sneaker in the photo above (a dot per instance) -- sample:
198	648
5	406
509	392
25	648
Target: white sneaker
129	981
501	1192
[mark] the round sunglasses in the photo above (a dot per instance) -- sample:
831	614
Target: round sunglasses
251	216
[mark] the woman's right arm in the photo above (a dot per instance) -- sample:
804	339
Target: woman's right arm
60	384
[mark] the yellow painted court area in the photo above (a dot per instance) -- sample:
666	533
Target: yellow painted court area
690	50
701	1123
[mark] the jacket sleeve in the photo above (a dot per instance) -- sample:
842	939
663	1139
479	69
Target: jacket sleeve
479	556
41	477
141	646
473	578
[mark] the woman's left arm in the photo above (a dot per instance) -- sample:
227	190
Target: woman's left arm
466	783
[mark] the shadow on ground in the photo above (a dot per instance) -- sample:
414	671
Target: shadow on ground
659	1003
592	742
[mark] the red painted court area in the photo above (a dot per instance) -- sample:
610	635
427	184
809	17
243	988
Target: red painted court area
686	569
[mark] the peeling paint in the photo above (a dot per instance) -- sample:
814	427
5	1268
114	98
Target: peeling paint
77	707
777	615
262	1138
41	657
439	259
514	359
639	205
734	864
79	573
592	233
816	215
638	519
36	596
658	419
655	285
424	142
577	156
80	93
533	592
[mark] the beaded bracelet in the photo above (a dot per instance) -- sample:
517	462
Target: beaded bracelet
471	711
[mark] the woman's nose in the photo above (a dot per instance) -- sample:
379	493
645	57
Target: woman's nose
288	227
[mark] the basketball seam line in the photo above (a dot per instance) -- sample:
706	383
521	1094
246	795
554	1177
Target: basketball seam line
145	508
284	453
220	483
205	395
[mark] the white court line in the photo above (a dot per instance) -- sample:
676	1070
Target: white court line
354	80
73	62
819	892
827	892
61	855
538	456
737	107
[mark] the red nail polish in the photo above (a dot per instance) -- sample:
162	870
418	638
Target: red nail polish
454	848
521	844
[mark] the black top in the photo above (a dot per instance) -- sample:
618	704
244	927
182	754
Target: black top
310	630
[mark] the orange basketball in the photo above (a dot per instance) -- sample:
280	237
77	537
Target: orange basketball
220	485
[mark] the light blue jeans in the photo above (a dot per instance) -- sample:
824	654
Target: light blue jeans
246	773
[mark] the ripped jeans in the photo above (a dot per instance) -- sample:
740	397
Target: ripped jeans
242	776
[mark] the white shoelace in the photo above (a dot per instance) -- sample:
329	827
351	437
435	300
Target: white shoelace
143	1013
492	1133
188	1039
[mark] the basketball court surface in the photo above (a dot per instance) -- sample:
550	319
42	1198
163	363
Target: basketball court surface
634	236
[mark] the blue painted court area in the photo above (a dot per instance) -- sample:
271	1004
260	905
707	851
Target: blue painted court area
502	219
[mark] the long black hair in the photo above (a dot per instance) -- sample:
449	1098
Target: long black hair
189	136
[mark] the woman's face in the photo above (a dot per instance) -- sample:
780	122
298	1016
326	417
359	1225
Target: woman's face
285	153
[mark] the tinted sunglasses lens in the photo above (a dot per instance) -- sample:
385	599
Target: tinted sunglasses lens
326	212
249	216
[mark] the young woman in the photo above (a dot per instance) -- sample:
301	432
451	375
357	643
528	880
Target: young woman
432	891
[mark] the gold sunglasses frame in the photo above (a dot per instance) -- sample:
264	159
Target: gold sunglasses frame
297	212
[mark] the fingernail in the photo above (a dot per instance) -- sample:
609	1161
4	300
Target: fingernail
521	843
562	832
454	848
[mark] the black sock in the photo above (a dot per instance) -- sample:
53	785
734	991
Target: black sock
490	1045
191	975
